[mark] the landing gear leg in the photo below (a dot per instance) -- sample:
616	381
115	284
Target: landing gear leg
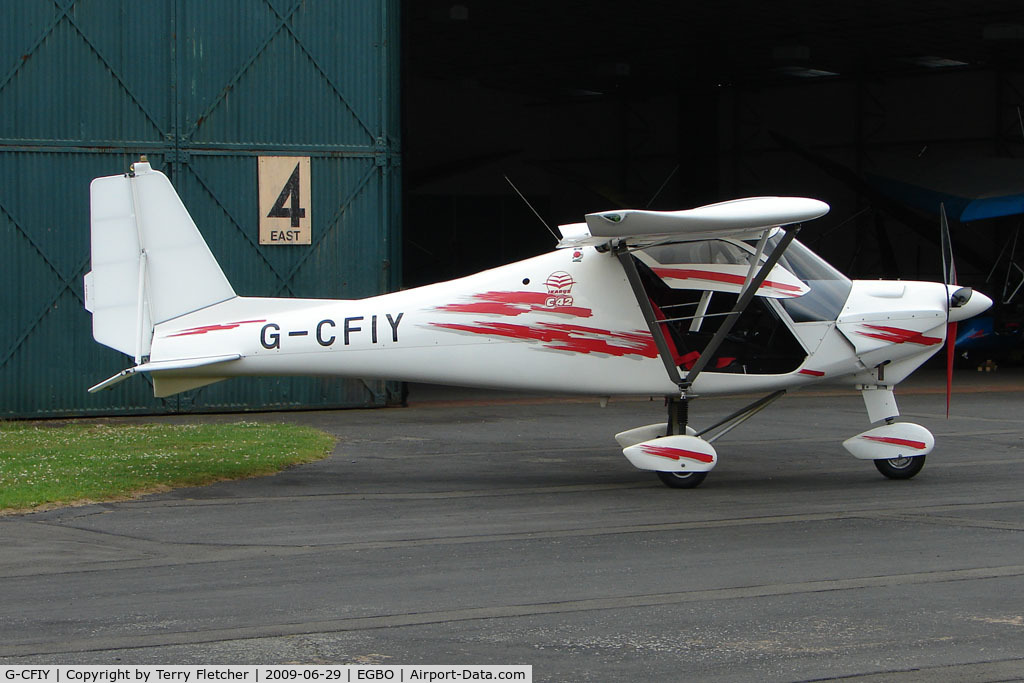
678	417
678	414
898	449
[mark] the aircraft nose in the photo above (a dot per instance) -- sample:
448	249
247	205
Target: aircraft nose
976	304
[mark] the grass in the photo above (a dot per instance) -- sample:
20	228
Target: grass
94	461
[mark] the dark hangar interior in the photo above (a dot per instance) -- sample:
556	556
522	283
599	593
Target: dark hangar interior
883	110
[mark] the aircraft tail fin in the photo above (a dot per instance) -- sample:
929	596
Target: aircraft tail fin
149	261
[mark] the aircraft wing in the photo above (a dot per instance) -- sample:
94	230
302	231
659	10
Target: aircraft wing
737	219
970	188
626	231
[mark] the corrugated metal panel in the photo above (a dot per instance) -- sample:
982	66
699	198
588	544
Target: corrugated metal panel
204	89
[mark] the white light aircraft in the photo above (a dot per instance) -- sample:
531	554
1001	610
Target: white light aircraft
715	300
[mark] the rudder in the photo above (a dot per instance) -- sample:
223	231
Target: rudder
149	261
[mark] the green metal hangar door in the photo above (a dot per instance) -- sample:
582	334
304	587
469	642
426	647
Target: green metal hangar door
208	90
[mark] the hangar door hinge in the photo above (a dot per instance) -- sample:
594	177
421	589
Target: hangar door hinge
180	156
382	154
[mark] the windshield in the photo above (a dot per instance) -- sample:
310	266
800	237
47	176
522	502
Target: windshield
829	287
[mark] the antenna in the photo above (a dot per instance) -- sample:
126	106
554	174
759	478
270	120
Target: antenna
527	202
672	173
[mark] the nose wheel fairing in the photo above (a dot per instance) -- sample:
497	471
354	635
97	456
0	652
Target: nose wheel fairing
899	440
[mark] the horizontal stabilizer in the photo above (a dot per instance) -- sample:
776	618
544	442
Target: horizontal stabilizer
164	366
739	219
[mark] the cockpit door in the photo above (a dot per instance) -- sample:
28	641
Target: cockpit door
717	266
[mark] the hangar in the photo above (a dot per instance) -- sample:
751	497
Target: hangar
415	117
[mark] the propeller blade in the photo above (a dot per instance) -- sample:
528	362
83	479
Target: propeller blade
950	352
949	278
946	243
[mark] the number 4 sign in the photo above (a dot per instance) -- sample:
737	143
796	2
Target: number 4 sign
285	216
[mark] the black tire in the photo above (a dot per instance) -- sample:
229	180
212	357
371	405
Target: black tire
900	468
682	480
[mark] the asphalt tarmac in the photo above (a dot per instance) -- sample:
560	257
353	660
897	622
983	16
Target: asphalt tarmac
484	528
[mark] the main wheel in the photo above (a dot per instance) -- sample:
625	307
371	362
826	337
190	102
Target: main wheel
682	480
900	468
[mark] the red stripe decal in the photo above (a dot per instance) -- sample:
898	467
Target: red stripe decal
580	339
919	445
676	453
898	335
812	373
688	360
713	276
203	329
564	337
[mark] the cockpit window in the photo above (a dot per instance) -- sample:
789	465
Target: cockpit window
706	251
760	343
829	287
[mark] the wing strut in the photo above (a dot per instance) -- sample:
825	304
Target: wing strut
746	296
754	282
621	250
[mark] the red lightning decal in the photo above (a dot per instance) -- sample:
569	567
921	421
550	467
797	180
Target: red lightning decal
898	335
213	328
676	453
918	445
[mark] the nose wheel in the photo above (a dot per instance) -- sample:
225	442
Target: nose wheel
900	468
682	480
